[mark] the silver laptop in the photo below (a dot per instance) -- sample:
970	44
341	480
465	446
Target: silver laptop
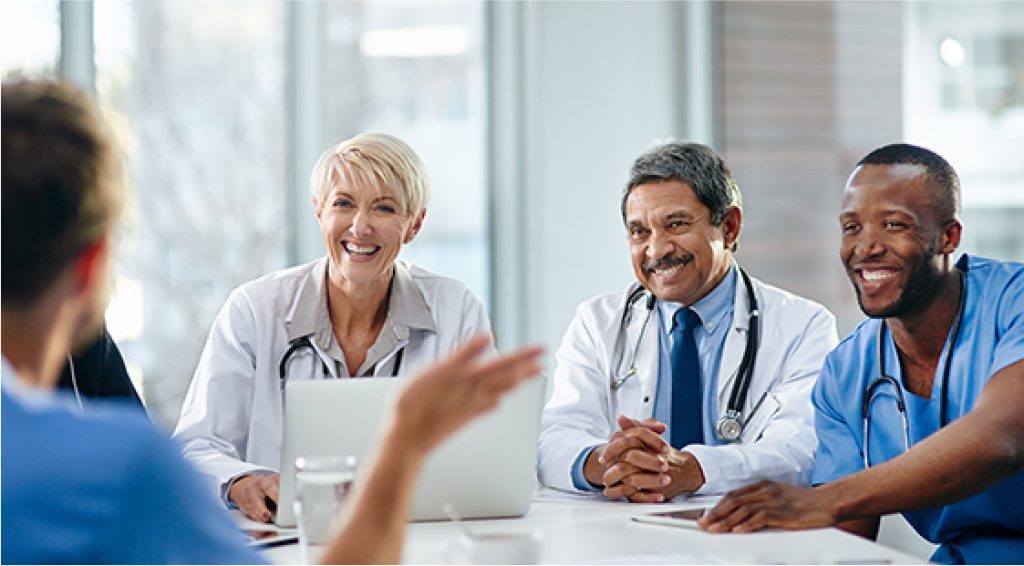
485	469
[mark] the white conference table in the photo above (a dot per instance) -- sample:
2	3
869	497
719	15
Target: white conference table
587	529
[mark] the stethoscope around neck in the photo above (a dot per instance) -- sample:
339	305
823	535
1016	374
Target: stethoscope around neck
729	425
305	342
872	390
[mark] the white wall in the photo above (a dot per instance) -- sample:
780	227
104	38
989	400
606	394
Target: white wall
599	86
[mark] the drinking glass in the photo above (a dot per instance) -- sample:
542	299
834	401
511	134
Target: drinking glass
321	486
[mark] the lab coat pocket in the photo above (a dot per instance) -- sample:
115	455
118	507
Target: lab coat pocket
764	411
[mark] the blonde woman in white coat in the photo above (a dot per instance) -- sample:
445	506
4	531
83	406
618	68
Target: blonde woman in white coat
358	312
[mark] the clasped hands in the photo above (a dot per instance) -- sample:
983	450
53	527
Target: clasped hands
638	464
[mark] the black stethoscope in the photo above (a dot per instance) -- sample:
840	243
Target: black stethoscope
729	425
871	393
304	342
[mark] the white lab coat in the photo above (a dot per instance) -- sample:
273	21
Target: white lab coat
232	419
778	440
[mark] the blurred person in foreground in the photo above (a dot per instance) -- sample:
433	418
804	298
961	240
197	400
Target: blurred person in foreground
104	486
358	311
918	411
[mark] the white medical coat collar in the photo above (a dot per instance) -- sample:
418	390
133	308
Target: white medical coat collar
407	309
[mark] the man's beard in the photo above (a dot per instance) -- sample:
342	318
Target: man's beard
917	293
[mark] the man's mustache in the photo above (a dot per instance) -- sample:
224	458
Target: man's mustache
668	262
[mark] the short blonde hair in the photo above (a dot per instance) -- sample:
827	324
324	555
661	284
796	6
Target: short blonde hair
371	159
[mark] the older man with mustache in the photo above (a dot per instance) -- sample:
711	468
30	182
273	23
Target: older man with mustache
696	378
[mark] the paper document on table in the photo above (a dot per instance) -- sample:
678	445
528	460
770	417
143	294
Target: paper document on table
264	535
708	501
682	518
246	524
551	495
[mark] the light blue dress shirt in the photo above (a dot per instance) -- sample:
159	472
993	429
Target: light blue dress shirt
986	528
715	311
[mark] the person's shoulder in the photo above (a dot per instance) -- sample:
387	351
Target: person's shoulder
612	300
109	433
59	406
844	367
438	288
993	273
608	308
114	419
788	304
127	441
276	285
427	278
287	277
856	344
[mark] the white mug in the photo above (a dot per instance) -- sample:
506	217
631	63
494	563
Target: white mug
508	547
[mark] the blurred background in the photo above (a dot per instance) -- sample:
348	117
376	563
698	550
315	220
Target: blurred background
527	115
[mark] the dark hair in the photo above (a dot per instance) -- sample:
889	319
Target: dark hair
60	184
941	176
694	164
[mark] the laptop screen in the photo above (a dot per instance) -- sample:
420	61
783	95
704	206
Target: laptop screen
342	417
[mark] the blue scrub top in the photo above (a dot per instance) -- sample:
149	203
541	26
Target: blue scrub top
988	527
102	487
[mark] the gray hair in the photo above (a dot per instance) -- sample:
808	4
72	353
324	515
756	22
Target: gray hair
371	159
694	164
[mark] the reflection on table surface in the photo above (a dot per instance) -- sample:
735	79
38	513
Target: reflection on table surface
591	529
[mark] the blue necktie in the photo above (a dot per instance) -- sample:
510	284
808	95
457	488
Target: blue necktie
687	426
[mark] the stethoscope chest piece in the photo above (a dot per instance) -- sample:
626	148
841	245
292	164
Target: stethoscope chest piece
729	426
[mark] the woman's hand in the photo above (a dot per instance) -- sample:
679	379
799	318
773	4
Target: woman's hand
255	495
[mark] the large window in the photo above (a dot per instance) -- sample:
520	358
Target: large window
29	36
807	88
964	77
194	90
208	99
415	69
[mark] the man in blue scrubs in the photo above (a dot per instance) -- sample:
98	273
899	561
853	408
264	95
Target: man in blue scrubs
952	343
